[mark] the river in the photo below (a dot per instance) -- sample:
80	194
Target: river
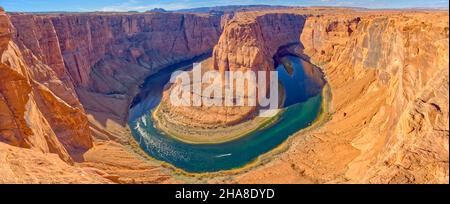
303	85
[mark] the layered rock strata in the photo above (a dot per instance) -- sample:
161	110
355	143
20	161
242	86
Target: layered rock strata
51	64
33	114
388	73
248	43
90	52
64	83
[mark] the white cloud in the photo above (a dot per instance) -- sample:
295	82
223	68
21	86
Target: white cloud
134	5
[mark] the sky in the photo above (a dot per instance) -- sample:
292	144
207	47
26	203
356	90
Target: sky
144	5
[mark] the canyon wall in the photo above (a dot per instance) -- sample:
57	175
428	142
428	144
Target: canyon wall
244	45
102	58
82	41
69	78
40	134
250	41
32	115
388	74
400	63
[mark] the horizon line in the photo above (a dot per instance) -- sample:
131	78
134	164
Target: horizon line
232	5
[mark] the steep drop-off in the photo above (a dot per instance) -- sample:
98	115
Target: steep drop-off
69	78
33	115
388	75
40	134
51	64
244	45
106	56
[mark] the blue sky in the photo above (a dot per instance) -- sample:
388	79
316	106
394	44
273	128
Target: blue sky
143	5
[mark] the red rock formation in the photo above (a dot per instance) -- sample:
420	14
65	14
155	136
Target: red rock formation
104	57
27	166
151	40
32	115
401	55
250	41
39	107
388	72
388	76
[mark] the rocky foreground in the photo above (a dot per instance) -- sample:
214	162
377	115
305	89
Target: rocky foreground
67	81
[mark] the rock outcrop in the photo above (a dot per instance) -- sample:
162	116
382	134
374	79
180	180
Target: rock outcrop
69	78
32	115
250	41
27	166
399	62
388	73
106	56
151	40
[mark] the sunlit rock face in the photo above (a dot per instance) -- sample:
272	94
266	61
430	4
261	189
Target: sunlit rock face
68	78
49	58
248	43
149	40
388	72
33	115
102	58
400	63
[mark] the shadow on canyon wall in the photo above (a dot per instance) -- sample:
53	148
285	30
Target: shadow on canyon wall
285	41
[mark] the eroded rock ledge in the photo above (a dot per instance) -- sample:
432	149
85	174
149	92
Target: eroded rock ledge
51	64
388	72
64	83
90	51
248	43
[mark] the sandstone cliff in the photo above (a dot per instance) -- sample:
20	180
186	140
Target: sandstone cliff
52	64
27	166
388	77
32	115
67	78
90	53
151	40
400	62
250	41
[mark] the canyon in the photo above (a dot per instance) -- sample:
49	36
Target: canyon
68	81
